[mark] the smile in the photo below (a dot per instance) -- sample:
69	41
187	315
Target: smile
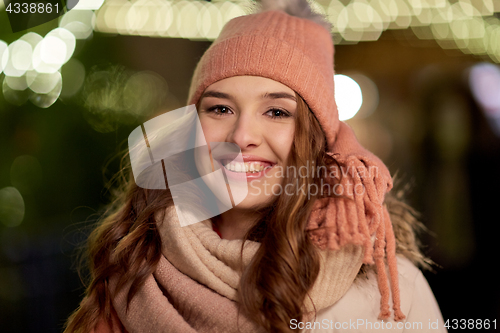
247	167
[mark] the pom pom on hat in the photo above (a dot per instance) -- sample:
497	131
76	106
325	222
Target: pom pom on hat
297	8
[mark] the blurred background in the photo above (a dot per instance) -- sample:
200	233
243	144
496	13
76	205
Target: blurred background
420	83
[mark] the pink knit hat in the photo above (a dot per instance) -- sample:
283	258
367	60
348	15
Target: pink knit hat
272	44
298	52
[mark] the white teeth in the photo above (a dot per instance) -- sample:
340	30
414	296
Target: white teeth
252	167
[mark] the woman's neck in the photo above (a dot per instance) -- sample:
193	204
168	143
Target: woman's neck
235	223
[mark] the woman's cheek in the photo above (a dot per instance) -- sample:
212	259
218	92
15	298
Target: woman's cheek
212	132
281	140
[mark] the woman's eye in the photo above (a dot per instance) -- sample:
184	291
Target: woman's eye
219	110
277	113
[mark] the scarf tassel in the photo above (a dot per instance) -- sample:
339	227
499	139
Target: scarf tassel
356	217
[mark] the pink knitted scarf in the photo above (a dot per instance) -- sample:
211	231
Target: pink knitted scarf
194	288
172	302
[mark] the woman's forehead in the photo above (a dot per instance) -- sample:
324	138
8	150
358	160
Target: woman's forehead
255	85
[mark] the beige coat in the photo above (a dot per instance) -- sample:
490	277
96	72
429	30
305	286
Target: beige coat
358	309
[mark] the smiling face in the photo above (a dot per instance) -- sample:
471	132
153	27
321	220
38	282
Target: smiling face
258	115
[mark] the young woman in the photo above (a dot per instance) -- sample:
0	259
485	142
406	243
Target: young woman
297	252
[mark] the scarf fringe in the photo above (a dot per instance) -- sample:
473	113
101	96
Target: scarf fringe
360	218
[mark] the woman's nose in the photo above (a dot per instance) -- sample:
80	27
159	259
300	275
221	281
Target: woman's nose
246	132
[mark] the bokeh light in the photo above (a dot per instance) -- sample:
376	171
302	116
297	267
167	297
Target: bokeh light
11	207
143	92
467	25
42	83
20	53
73	76
14	96
4	55
16	83
484	80
453	24
33	39
80	23
370	95
348	96
115	95
186	20
54	50
164	18
32	63
44	100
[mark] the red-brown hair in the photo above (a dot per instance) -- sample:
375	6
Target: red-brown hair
275	284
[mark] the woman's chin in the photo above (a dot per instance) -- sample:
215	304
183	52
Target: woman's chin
253	201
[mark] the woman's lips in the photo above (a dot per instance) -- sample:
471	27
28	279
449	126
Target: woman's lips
251	170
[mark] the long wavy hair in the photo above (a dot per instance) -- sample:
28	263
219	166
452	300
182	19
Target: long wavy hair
273	287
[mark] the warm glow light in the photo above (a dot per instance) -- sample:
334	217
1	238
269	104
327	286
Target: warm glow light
231	10
370	94
164	18
442	15
484	80
11	207
205	20
186	20
333	12
120	22
33	39
20	53
79	22
68	38
404	15
441	30
4	55
53	51
109	13
46	100
16	83
42	83
348	96
452	23
136	18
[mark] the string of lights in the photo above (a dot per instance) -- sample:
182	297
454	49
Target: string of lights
33	63
468	25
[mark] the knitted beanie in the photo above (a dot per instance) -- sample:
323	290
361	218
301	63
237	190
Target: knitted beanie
293	46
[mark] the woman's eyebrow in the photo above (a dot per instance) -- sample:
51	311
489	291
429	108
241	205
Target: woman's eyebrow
268	95
216	94
277	95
